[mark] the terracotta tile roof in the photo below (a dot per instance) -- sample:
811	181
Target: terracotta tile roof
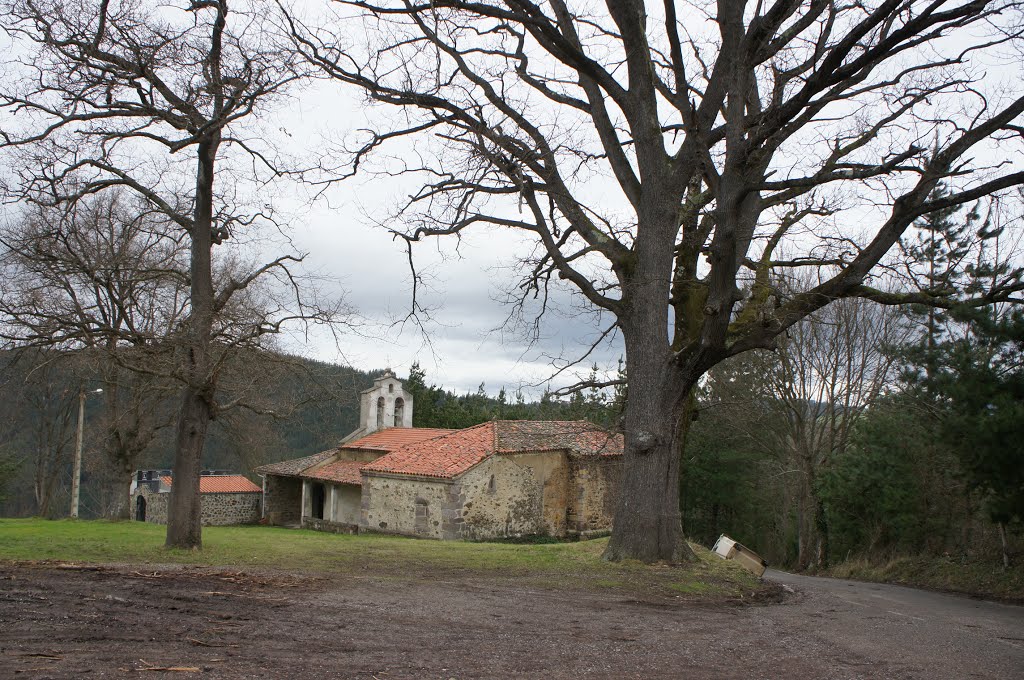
449	455
341	471
222	484
445	456
575	436
392	438
294	468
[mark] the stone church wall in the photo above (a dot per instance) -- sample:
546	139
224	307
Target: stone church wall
413	506
516	495
596	486
505	495
284	500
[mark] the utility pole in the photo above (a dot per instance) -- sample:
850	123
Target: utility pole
76	479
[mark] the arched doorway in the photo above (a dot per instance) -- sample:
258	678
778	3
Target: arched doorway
140	509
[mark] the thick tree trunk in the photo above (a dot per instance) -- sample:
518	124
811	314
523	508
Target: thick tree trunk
647	519
122	491
647	524
123	509
184	526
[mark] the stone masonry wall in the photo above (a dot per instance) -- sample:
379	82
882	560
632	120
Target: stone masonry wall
156	505
230	508
284	500
596	482
217	508
516	495
411	506
505	495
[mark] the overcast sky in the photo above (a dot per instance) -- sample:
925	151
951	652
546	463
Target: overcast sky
464	342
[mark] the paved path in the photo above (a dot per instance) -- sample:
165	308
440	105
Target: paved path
909	632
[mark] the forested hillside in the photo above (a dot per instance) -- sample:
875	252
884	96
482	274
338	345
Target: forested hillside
282	407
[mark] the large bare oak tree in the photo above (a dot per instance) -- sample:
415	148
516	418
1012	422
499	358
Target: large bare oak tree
664	155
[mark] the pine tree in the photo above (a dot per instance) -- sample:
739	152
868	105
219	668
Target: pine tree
936	257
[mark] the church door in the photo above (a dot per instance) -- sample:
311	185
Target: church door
140	509
318	501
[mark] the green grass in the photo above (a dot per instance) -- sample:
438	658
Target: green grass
555	565
985	579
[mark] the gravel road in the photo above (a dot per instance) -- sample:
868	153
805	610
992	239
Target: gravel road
123	622
918	633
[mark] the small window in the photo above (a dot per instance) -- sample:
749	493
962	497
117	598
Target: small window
491	485
391	387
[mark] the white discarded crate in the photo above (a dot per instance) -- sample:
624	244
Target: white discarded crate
748	559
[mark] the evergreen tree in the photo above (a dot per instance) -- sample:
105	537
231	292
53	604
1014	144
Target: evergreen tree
965	365
937	260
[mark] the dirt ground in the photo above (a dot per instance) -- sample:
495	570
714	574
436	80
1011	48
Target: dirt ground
59	622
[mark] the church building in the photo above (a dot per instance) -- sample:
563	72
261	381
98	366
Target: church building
502	478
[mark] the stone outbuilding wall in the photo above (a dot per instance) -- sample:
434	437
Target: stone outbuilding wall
155	505
230	508
217	508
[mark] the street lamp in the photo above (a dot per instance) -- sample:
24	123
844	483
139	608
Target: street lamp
76	478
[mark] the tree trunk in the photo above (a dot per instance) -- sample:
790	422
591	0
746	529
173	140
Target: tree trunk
801	535
1002	543
821	526
42	494
647	520
184	525
123	509
647	523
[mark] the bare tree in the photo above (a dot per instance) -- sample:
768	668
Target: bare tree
663	153
42	427
830	368
102	272
155	98
103	275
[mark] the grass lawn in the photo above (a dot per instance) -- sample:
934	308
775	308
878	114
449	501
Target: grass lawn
555	565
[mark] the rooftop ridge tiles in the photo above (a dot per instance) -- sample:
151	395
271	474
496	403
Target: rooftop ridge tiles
221	484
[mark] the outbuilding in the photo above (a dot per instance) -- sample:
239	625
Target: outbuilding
226	498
